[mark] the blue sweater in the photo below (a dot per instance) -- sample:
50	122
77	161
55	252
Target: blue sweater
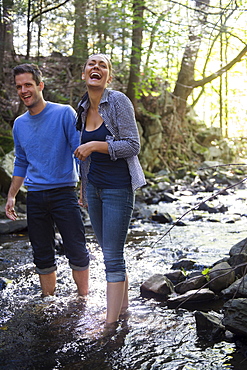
44	147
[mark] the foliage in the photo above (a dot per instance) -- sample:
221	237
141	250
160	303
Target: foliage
6	145
206	272
169	30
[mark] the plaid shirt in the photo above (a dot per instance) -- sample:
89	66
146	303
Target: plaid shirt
118	115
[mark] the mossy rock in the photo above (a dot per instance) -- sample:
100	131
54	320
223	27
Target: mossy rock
6	145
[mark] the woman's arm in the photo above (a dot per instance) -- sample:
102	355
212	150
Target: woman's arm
125	141
83	151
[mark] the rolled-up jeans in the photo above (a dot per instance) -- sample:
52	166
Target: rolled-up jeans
47	209
110	212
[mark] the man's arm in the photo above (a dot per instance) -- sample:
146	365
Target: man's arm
16	183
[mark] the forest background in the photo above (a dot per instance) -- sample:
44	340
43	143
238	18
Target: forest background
182	63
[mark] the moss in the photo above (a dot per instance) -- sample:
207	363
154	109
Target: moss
149	175
6	145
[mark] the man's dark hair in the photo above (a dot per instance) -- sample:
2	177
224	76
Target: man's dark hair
28	68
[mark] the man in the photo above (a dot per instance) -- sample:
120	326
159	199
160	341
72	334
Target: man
45	139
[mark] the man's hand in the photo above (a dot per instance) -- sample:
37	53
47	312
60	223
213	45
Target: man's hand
10	209
13	190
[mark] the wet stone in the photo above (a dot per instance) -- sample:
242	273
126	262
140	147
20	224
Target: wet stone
157	284
221	276
238	289
185	264
209	326
196	295
175	276
235	316
191	284
240	247
239	262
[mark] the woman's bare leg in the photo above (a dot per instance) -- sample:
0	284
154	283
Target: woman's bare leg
117	300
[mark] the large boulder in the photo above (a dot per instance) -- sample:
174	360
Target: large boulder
235	316
221	276
6	170
238	289
209	326
8	226
239	248
239	263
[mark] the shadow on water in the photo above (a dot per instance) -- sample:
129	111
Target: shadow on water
66	332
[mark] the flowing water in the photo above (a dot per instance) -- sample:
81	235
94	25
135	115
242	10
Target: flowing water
65	332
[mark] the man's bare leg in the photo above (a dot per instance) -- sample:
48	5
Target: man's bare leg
81	279
48	283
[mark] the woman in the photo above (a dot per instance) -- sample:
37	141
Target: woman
110	172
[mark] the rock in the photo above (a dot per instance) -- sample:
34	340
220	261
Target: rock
221	276
152	200
8	226
202	295
167	198
237	289
185	264
235	316
157	284
152	140
205	207
164	185
239	248
209	326
239	262
142	211
196	218
2	211
162	218
179	223
3	283
176	276
190	284
6	169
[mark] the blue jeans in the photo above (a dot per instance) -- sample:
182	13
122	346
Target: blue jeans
110	213
47	209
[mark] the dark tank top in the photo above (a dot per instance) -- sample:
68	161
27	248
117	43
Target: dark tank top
103	172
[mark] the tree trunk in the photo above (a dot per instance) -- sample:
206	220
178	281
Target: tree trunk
184	84
80	44
28	29
6	33
136	53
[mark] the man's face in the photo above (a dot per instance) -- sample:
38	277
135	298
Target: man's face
28	91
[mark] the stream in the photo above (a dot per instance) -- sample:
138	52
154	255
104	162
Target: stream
64	331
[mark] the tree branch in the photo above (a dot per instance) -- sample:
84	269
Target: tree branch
48	10
220	72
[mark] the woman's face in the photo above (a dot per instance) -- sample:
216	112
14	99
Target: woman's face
97	71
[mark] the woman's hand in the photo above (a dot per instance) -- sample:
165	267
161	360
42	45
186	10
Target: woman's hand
81	200
83	151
